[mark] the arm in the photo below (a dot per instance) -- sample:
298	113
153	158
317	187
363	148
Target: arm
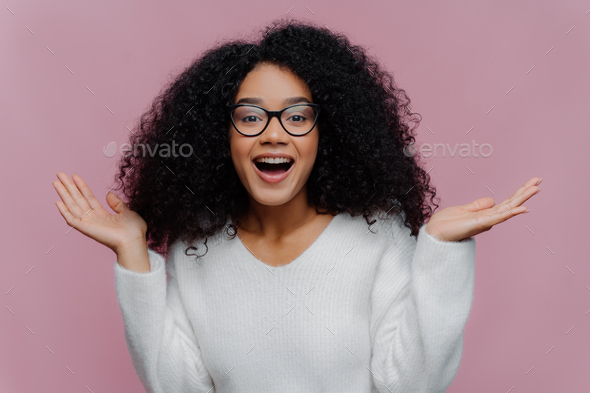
423	292
158	334
420	303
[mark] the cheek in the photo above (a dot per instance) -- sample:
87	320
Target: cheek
309	151
240	153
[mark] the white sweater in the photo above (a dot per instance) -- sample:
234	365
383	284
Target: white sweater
356	312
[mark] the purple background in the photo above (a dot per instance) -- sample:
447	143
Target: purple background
456	60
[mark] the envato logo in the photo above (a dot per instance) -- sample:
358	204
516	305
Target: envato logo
163	150
465	150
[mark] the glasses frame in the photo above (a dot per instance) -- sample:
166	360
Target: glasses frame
276	114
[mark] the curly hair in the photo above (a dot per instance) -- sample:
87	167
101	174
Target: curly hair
360	168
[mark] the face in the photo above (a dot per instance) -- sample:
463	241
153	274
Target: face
272	186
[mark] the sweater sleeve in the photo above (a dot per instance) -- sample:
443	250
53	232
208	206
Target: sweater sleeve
159	336
420	302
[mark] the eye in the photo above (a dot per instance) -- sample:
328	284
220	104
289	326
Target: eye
248	115
298	119
250	119
299	115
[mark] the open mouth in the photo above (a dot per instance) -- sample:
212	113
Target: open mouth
273	169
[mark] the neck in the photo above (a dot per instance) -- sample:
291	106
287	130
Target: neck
275	222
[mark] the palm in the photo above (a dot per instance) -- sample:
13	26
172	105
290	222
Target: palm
82	210
461	222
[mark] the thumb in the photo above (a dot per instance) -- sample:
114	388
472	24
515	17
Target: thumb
480	204
116	203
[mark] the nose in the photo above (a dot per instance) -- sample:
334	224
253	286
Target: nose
274	132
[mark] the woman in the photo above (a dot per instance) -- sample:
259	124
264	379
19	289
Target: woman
319	266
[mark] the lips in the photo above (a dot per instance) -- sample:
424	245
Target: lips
273	175
273	169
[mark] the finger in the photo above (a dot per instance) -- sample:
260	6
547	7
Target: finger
116	203
85	190
526	195
480	204
517	200
65	213
73	208
509	211
502	214
74	192
532	182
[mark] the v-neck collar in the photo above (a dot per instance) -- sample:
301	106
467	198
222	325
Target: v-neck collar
318	242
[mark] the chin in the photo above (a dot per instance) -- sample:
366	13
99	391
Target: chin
270	200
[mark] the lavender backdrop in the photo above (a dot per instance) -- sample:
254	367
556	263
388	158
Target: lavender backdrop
510	74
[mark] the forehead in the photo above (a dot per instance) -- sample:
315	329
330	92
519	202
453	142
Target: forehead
271	82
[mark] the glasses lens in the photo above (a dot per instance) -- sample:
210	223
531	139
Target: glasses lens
298	120
250	120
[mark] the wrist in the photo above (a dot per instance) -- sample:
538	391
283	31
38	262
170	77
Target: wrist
132	243
433	232
134	256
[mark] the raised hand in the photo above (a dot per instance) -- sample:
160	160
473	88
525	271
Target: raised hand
457	223
81	209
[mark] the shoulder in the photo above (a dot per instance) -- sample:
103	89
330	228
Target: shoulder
387	229
184	253
392	224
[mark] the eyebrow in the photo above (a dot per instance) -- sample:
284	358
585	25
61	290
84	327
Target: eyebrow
286	101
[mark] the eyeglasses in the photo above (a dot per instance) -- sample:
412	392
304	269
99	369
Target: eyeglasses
252	120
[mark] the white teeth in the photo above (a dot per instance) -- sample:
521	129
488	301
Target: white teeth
270	160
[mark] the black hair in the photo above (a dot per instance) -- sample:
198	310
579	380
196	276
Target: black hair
361	166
